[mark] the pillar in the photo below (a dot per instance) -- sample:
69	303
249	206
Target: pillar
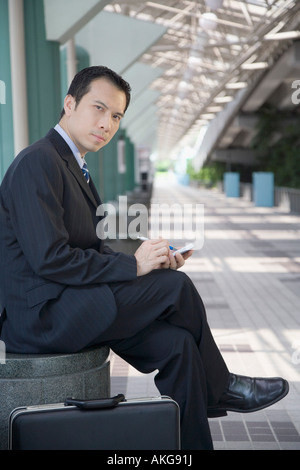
18	74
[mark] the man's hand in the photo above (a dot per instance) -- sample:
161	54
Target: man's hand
156	254
152	254
178	260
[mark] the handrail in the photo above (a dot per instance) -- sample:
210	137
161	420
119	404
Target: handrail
284	198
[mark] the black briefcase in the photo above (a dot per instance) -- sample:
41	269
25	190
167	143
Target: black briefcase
104	424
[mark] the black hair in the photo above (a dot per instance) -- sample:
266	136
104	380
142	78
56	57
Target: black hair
80	84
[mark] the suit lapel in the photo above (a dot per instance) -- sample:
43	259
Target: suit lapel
67	155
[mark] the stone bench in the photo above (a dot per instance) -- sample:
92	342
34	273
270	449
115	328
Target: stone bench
34	379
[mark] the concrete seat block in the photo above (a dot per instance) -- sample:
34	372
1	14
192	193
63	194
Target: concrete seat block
34	379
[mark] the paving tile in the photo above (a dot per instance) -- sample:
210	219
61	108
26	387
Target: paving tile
248	274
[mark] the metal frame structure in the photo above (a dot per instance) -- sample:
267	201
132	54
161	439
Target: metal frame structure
208	54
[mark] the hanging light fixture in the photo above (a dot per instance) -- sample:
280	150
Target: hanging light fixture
208	21
214	4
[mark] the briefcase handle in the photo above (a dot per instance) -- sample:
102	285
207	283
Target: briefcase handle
96	403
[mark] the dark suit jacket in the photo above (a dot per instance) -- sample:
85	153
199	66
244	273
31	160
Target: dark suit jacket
48	243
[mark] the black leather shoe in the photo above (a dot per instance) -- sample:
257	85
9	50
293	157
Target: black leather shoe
246	394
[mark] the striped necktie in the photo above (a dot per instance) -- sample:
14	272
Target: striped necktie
86	172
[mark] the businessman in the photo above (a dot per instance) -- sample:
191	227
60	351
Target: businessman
63	290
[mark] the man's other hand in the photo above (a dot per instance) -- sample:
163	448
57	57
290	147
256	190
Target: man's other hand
156	254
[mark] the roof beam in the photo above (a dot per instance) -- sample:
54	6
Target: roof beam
63	19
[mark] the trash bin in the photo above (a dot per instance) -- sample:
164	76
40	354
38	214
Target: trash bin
232	184
263	189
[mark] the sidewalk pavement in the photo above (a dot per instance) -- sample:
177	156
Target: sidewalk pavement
248	275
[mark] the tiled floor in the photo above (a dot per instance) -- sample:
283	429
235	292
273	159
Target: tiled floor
248	274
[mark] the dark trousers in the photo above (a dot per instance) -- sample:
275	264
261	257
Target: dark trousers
161	325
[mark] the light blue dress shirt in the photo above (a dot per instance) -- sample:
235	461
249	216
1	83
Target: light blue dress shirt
71	144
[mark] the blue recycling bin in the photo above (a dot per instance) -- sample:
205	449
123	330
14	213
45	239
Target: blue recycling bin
183	179
263	189
232	184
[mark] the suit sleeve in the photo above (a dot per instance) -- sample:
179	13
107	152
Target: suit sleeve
37	216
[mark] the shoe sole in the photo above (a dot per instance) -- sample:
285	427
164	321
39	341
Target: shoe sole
218	412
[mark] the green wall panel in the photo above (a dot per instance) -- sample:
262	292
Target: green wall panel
43	72
6	116
130	165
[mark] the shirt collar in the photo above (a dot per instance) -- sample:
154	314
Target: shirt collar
71	144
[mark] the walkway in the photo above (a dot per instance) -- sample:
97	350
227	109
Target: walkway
248	274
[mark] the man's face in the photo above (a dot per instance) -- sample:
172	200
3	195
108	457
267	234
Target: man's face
95	120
